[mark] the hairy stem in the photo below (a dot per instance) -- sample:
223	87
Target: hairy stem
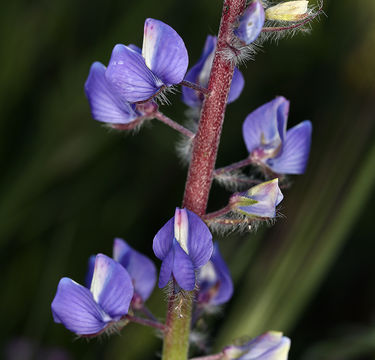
194	86
146	322
199	180
166	120
235	166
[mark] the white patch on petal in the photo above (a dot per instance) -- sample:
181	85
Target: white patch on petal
208	273
181	228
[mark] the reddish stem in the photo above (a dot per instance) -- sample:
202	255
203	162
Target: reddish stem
194	87
235	166
166	120
147	322
207	139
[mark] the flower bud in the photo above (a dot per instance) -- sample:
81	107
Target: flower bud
260	201
270	346
288	11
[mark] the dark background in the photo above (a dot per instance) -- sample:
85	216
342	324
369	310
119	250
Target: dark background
68	186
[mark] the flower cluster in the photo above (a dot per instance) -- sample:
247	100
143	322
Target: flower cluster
124	94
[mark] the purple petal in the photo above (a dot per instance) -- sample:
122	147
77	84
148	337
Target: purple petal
166	268
164	52
225	281
129	75
135	48
269	346
111	286
75	308
90	271
183	268
251	22
163	240
140	268
105	105
267	196
295	151
200	240
264	127
238	83
199	74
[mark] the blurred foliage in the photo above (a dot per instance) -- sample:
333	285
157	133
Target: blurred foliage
69	186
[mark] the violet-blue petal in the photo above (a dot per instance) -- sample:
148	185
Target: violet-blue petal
183	268
199	240
225	291
75	308
164	52
163	240
269	346
105	104
266	195
251	22
111	286
129	75
294	155
135	48
166	268
238	83
199	74
140	268
90	271
261	128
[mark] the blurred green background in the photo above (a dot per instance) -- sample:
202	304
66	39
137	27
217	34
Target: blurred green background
69	186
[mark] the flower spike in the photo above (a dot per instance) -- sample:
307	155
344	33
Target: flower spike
184	244
251	22
215	282
271	145
260	201
270	346
162	63
88	312
200	73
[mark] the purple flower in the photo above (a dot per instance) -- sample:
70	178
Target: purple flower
105	102
140	268
163	63
268	142
270	346
200	73
89	312
215	282
184	244
251	22
259	201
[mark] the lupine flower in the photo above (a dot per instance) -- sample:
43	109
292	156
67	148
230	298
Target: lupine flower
90	311
163	63
288	11
268	142
200	73
215	282
184	244
105	102
259	201
251	22
140	268
270	346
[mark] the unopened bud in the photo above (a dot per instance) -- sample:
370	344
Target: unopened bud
288	11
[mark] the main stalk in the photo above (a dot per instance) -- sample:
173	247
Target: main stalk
199	180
